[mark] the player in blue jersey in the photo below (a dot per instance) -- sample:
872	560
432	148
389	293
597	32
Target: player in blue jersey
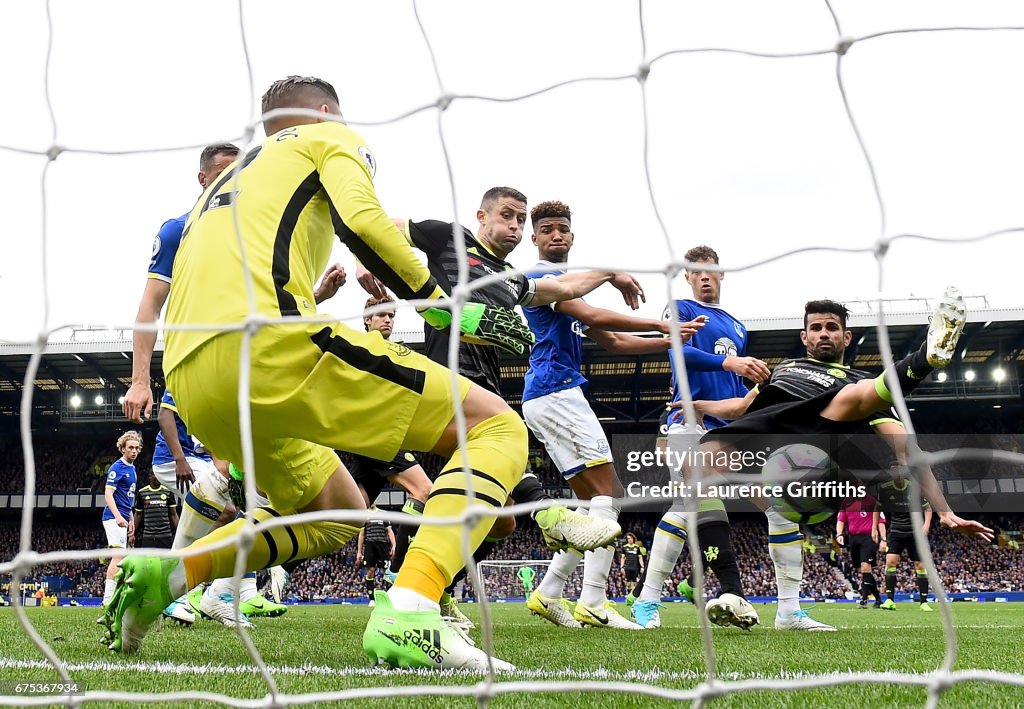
119	495
716	364
558	414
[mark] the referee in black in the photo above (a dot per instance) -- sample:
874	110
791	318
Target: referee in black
156	516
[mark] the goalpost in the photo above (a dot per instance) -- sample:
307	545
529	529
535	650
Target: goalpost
501	578
666	265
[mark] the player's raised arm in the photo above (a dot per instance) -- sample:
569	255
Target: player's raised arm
362	225
610	320
569	286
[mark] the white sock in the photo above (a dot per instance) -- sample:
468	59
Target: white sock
552	585
220	587
788	558
191	526
178	583
664	556
597	563
405	599
108	590
247	589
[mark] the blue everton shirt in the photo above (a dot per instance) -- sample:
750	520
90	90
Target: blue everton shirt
722	336
165	247
161	453
121	477
557	354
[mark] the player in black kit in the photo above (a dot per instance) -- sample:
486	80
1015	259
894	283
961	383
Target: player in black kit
893	496
631	563
156	517
501	217
818	395
374	548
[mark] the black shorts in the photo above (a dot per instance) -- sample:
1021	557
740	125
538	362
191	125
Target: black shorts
852	445
863	549
900	542
632	573
376	555
372	475
154	542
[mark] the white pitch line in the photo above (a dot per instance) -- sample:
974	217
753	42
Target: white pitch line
599	674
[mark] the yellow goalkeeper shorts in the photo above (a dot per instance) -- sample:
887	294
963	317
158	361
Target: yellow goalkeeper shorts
313	389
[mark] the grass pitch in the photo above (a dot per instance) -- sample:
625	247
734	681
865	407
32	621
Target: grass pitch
318	649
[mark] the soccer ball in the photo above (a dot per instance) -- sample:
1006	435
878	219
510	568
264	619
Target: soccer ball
802	472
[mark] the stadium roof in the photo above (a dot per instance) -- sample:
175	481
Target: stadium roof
622	388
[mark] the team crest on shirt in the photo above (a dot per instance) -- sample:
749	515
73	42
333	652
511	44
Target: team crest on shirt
725	346
837	372
367	157
398	348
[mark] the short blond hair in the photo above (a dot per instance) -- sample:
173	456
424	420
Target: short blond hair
126	436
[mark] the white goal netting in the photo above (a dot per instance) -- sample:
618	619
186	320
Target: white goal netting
503	579
814	141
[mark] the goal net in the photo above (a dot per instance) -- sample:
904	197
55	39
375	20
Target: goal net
816	142
515	579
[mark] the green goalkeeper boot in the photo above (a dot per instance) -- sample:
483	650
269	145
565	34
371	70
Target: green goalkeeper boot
420	639
142	592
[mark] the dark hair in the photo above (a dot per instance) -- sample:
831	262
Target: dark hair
701	253
212	151
372	301
297	92
495	193
826	306
546	210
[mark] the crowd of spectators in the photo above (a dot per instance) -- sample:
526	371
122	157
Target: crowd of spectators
84	578
67	463
965	565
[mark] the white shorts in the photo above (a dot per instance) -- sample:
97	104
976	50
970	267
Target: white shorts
168	478
566	426
117	537
681	444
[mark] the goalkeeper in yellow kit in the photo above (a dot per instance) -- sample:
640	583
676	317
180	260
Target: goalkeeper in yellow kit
317	387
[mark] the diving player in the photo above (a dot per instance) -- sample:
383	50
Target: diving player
317	387
558	414
819	395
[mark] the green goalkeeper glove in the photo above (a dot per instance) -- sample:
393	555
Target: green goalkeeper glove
485	325
236	487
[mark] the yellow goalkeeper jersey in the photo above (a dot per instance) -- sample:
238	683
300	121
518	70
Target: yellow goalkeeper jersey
289	197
